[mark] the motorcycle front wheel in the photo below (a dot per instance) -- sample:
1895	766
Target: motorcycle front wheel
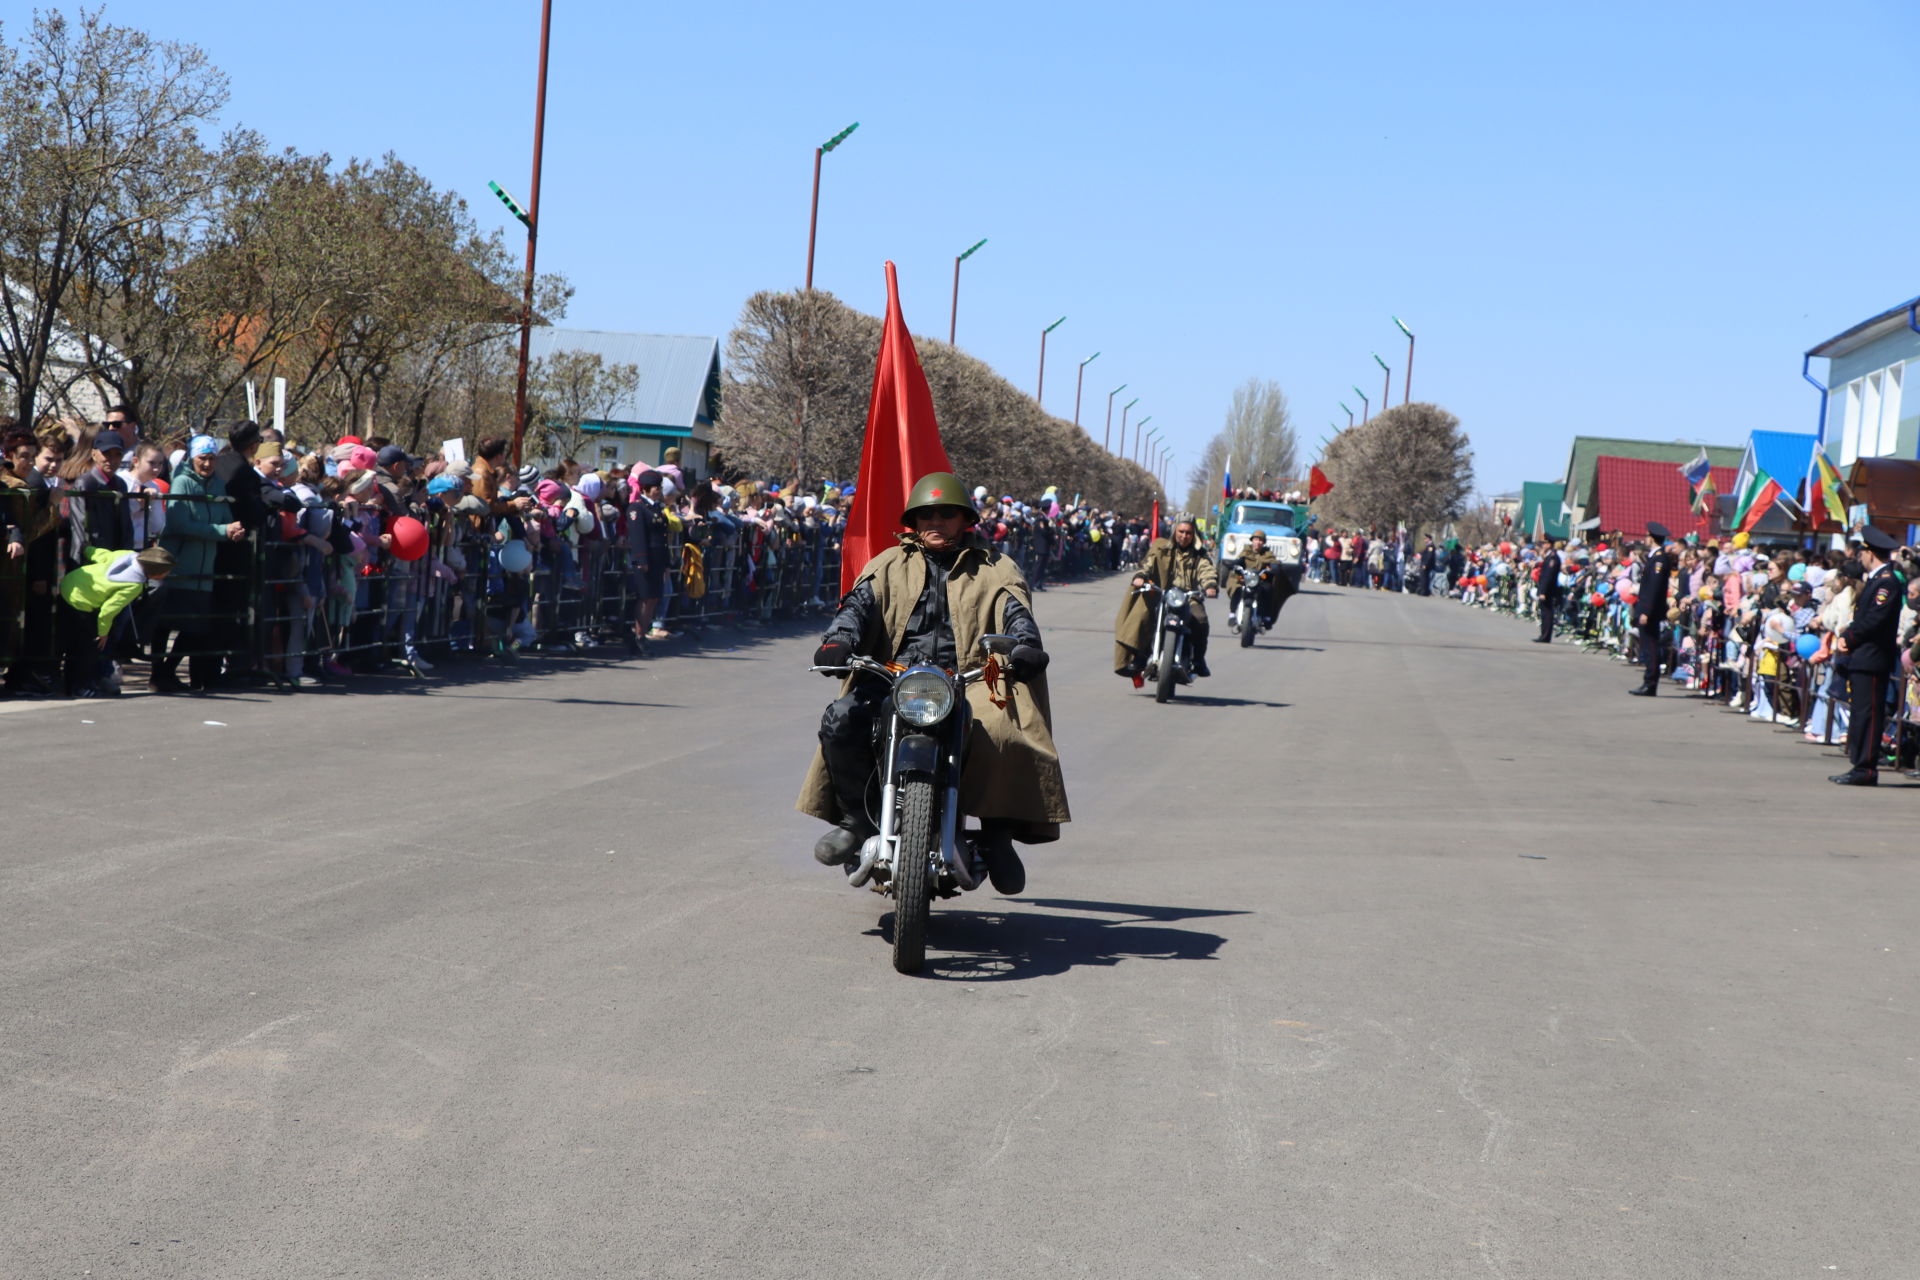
1249	623
911	900
1169	672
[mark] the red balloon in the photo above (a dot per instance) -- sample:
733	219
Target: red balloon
409	538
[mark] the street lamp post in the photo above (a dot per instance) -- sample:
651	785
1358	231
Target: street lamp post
1079	382
1366	406
953	322
1124	451
531	219
1406	395
1106	438
1343	405
1147	450
1040	388
813	219
1386	389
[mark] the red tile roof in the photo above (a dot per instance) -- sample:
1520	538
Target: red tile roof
1628	492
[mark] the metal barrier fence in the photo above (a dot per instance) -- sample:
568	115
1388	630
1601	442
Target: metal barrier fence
284	599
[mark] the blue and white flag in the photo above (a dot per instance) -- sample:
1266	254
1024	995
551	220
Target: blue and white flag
1698	470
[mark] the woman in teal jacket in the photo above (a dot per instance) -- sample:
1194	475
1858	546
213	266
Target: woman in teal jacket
197	523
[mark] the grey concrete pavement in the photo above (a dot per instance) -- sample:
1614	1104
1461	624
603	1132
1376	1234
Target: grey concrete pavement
1404	949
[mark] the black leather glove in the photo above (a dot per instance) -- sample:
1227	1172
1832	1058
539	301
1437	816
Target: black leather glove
834	653
1027	661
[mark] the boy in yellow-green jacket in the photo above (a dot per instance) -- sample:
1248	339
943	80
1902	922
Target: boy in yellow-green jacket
93	602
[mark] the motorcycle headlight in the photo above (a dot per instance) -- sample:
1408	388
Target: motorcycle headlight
923	696
1176	598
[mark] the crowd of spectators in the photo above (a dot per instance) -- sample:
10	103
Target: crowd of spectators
1750	627
250	559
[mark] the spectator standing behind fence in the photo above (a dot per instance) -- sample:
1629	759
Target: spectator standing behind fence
198	524
106	519
148	509
33	665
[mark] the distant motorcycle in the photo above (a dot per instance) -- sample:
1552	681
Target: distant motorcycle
1171	662
920	852
1243	613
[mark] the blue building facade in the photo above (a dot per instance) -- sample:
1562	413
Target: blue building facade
1867	409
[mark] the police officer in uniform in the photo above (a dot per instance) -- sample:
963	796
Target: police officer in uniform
1650	612
1871	644
1549	589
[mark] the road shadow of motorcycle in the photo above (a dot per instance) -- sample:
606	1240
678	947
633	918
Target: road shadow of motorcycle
1006	946
1217	700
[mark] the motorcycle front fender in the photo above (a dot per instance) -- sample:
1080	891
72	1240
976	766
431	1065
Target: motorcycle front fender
916	753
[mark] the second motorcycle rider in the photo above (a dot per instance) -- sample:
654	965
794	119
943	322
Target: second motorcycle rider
1177	562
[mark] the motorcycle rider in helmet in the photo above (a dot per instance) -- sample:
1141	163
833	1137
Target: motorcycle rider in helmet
1179	561
928	600
1255	558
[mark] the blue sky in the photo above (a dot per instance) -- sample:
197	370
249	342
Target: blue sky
1626	219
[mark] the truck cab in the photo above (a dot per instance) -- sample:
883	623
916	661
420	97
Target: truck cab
1286	530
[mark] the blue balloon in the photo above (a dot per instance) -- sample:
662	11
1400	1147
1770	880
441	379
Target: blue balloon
1807	645
515	558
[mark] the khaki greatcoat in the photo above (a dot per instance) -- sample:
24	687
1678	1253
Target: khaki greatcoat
1166	566
1012	770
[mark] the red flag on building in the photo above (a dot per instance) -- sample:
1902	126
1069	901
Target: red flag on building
903	444
1318	484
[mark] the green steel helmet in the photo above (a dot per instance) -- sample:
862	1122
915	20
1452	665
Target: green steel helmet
939	489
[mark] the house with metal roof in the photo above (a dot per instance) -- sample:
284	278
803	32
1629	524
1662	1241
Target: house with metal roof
1630	492
1577	487
1864	412
68	391
674	405
1540	510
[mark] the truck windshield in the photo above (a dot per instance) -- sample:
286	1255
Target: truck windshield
1273	517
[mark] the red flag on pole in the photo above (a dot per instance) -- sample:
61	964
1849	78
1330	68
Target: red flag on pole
1318	484
1156	519
903	444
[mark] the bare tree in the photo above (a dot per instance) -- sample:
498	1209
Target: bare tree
1256	441
1411	464
571	389
100	154
800	375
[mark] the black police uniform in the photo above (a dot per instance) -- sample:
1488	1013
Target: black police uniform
1550	593
1652	605
1873	650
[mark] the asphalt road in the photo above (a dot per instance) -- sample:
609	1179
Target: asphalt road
1408	949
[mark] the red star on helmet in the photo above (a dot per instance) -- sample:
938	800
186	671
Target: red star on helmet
936	493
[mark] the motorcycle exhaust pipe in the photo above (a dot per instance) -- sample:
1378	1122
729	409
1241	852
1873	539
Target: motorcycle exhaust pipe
957	856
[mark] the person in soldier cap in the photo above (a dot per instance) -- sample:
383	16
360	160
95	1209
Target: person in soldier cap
928	601
1650	611
1267	591
1179	561
1871	643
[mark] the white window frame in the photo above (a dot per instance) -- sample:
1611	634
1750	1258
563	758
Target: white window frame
1870	415
1850	422
1891	386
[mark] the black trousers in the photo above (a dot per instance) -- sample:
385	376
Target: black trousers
1867	719
847	745
1549	605
1651	652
